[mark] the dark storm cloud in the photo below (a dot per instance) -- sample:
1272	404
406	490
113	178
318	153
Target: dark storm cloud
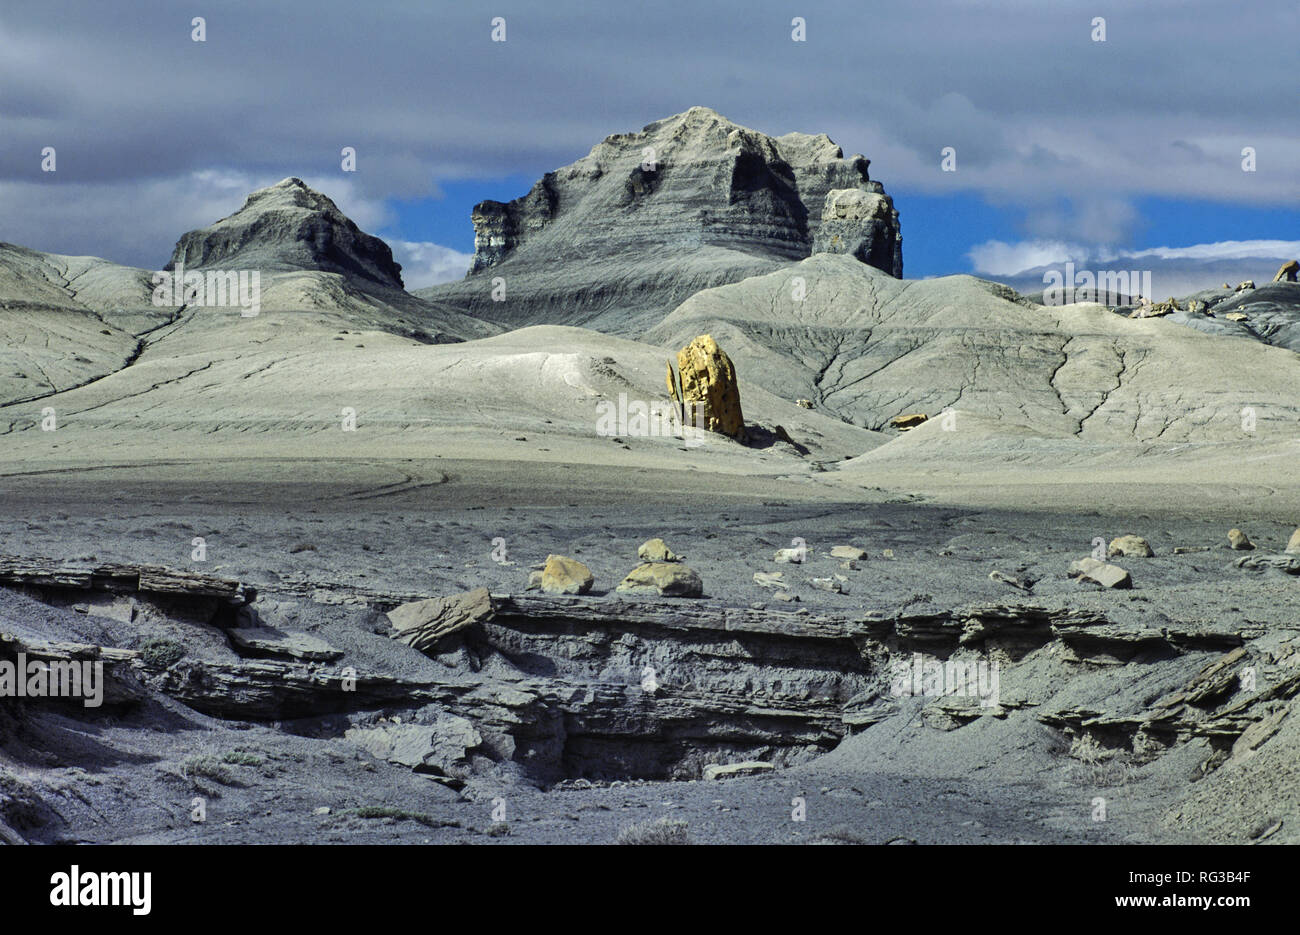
142	116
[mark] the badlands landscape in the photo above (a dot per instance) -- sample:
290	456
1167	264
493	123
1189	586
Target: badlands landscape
368	565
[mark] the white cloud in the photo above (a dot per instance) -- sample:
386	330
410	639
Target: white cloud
143	220
427	264
1224	250
998	258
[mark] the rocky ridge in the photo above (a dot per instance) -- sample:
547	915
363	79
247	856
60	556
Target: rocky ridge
618	238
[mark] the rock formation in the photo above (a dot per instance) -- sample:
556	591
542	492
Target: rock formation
666	579
1287	272
564	575
619	238
863	225
709	388
289	226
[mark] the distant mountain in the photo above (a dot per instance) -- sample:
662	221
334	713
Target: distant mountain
1169	276
622	236
289	226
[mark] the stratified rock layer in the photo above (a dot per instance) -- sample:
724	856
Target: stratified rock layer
289	226
619	238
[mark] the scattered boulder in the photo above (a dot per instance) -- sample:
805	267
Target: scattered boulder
709	382
769	579
1102	573
656	550
667	579
441	748
1237	316
835	584
1244	285
1290	564
1129	547
908	420
1287	271
1293	544
788	556
728	770
564	575
422	624
803	403
1150	309
1239	541
851	552
272	643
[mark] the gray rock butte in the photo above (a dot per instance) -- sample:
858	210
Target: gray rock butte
622	236
289	226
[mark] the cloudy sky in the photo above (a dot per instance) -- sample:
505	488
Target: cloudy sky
1065	146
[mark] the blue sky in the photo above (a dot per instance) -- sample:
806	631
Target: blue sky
1066	145
938	230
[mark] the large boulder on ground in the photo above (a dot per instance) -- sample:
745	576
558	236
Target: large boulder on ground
1239	541
1130	547
441	748
423	624
709	382
1106	575
667	579
1293	544
564	575
656	550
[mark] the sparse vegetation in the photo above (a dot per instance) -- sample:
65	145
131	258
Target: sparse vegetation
207	767
398	814
242	758
1086	749
161	653
663	831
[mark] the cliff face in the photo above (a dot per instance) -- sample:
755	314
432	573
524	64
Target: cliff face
617	239
289	226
